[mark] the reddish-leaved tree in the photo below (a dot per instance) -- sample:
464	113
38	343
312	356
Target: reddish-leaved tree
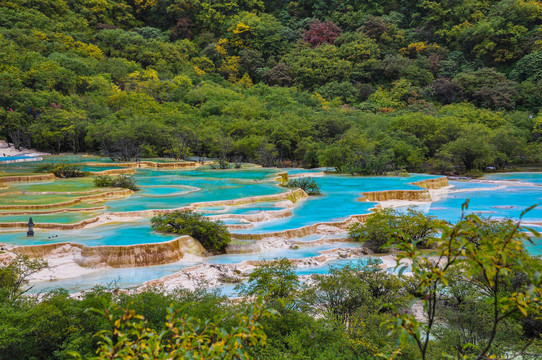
321	32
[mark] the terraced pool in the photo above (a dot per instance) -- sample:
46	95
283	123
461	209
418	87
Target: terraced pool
498	195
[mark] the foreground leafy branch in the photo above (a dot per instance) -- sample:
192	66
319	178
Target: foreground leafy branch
183	337
486	255
15	275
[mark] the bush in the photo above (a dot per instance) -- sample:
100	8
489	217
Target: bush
307	184
221	164
62	169
475	173
122	181
213	235
385	227
278	278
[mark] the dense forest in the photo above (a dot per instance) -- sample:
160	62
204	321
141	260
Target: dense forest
364	86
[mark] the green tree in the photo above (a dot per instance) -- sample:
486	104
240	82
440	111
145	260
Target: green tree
277	278
316	67
213	235
14	276
384	227
472	148
487	254
346	290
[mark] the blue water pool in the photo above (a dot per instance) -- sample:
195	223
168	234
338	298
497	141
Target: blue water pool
172	188
130	277
21	157
300	253
508	202
111	234
530	177
339	200
123	278
214	186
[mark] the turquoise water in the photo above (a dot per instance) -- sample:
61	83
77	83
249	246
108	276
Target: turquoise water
233	221
111	234
532	177
535	248
324	269
166	189
123	278
62	218
130	277
339	200
507	201
240	174
310	237
254	208
100	168
229	289
468	185
502	203
200	186
59	185
270	254
241	209
9	158
297	171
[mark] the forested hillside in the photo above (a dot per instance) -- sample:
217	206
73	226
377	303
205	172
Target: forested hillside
364	86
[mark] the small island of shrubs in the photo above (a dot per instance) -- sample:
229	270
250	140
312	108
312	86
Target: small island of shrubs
308	185
120	181
385	227
62	169
213	235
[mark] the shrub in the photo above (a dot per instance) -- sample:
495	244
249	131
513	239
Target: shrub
278	278
475	173
182	336
213	235
62	169
122	181
307	184
221	164
386	227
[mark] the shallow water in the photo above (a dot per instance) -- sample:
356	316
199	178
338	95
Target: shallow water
130	277
339	200
61	218
229	289
531	177
111	234
186	187
20	157
166	189
123	278
324	269
270	254
508	200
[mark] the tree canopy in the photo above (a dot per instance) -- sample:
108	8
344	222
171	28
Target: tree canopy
362	86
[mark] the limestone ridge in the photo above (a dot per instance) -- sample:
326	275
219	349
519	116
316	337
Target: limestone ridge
119	256
407	195
27	178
